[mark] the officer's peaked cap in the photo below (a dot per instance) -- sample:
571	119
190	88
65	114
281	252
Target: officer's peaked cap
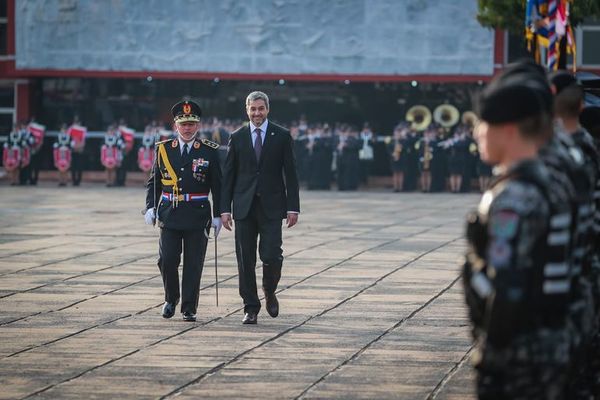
186	111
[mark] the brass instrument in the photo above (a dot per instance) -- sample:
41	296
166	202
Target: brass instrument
469	118
419	116
446	115
427	155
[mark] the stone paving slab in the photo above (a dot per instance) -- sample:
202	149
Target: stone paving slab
371	305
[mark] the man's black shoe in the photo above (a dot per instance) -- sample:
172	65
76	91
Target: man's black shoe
250	318
168	310
272	304
188	316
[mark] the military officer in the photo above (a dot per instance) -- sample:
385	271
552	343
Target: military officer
186	171
516	274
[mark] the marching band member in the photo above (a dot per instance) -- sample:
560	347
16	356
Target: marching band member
111	154
146	152
366	154
396	147
27	144
11	155
62	154
36	131
127	136
77	133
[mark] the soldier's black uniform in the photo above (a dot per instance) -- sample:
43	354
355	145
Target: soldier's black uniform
517	286
517	274
184	213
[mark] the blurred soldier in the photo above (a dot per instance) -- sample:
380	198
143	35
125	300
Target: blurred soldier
568	103
186	172
516	274
261	181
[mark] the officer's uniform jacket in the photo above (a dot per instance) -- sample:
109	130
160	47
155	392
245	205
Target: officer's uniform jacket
196	175
516	273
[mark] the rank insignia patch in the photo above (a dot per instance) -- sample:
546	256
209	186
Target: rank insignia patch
504	224
499	253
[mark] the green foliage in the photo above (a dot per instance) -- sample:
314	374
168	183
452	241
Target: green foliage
510	14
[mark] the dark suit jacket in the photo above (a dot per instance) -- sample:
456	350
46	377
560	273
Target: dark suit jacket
206	178
244	177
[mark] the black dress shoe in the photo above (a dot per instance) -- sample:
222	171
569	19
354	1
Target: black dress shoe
272	304
168	310
188	316
250	318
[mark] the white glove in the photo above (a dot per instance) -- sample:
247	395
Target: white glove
149	216
217	224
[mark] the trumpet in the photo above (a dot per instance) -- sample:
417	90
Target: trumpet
419	116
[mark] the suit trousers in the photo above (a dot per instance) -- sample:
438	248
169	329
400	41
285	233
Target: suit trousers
194	250
247	231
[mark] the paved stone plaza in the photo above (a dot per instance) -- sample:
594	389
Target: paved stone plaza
371	304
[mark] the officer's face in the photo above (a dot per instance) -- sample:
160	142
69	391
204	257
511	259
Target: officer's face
257	111
490	141
187	130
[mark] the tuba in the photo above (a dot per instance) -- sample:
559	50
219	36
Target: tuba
419	117
446	115
469	118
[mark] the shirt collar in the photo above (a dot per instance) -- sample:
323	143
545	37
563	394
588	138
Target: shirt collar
263	127
181	142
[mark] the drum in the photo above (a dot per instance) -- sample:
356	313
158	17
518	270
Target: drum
62	158
109	156
145	158
11	157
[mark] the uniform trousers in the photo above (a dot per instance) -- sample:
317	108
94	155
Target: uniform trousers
247	231
194	250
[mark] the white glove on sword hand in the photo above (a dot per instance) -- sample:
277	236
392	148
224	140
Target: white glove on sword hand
217	224
149	216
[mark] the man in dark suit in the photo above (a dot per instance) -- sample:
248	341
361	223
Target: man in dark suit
260	178
186	171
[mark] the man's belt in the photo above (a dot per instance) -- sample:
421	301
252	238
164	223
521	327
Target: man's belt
185	196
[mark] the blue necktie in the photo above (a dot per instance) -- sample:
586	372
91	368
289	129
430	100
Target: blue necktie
258	144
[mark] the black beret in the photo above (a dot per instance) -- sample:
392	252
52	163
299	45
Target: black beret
186	111
563	79
518	92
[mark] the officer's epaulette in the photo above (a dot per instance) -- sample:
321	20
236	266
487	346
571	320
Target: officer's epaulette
210	144
164	141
